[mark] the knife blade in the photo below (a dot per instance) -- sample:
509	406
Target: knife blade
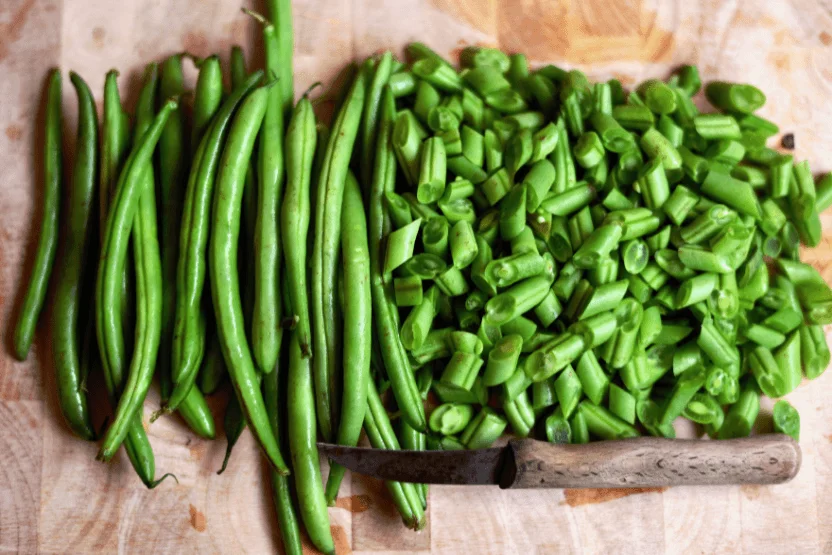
637	462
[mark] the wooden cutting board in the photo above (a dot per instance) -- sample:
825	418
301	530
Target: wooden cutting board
55	498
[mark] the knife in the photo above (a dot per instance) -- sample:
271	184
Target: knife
637	462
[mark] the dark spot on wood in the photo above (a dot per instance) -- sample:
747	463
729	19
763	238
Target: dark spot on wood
772	460
787	141
825	38
339	538
354	503
14	132
577	497
10	32
660	463
98	35
198	520
195	43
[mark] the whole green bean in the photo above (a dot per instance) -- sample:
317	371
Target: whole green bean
266	332
358	332
295	213
148	280
325	253
172	160
189	326
48	241
68	307
224	277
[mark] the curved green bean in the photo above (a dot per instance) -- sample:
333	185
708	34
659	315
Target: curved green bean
301	140
225	287
266	332
48	241
68	307
325	320
189	335
148	280
358	331
302	436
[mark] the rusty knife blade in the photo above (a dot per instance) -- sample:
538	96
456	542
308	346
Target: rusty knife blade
476	467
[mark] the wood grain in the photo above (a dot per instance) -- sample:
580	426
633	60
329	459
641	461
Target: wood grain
56	499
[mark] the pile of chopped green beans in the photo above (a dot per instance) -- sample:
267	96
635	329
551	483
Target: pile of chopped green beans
577	262
455	255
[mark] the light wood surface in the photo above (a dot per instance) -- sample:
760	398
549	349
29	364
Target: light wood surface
54	497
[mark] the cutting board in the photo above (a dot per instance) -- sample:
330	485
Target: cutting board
55	498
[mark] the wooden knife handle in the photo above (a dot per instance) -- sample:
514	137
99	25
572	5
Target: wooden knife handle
651	462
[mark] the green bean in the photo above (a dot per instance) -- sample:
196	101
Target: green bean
658	97
689	80
518	299
743	413
418	323
234	423
478	56
207	98
597	246
717	126
393	352
602	423
325	252
519	414
148	274
734	97
622	404
400	245
814	351
189	336
563	161
224	277
194	410
295	213
172	167
358	334
381	435
431	184
70	369
634	118
786	419
274	397
249	208
594	382
737	194
266	334
280	14
438	73
463	243
48	241
824	193
370	116
483	430
307	473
